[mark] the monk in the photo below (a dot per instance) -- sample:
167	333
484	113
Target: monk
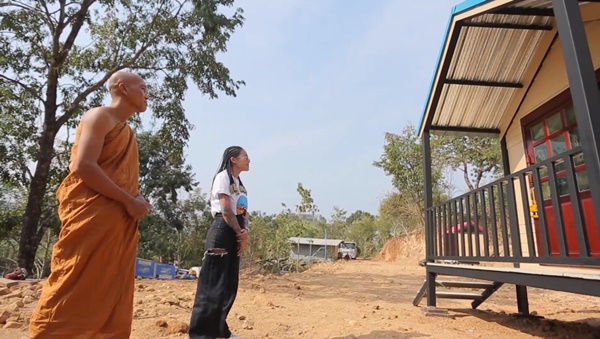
89	293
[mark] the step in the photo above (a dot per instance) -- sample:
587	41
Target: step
464	284
459	295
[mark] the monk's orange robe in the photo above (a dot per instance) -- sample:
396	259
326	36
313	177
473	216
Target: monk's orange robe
89	293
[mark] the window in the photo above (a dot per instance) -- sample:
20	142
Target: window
550	136
349	245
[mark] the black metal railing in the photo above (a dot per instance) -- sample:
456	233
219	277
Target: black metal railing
541	214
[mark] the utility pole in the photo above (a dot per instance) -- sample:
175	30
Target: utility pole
325	242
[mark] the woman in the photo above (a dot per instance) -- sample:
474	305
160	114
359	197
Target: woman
225	242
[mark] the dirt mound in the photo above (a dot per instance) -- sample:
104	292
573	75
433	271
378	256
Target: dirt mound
407	246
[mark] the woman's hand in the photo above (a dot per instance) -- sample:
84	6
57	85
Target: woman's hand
242	239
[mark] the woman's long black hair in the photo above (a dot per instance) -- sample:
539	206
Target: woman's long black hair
226	164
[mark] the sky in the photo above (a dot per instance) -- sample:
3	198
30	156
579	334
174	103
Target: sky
325	80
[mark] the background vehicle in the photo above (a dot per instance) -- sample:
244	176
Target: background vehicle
348	250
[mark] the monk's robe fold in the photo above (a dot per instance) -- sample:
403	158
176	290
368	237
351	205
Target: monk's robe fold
89	293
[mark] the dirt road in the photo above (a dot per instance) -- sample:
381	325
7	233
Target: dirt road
357	299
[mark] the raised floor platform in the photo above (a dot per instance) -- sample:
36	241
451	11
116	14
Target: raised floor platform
574	282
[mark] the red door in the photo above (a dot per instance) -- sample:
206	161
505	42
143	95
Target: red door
550	136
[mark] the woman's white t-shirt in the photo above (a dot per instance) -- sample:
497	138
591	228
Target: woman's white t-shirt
222	185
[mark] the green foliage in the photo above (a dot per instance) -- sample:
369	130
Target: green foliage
182	240
475	157
365	233
403	211
396	217
162	174
358	216
269	234
11	211
307	204
176	228
402	159
56	57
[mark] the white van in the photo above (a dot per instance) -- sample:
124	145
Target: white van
348	250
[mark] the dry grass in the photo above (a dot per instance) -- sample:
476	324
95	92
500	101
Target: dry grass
411	245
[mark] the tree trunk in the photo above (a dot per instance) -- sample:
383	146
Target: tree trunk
45	267
29	241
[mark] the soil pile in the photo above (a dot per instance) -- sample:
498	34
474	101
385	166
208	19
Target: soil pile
407	246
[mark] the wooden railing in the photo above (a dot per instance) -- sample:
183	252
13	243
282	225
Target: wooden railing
541	214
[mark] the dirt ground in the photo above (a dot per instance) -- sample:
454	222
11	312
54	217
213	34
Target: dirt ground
356	299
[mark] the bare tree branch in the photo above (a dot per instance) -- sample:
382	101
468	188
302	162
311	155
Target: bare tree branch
59	29
465	170
77	21
27	171
125	33
16	4
49	16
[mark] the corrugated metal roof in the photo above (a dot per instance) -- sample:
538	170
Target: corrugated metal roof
486	54
315	241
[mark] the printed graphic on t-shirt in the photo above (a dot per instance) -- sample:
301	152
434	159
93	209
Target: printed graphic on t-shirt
242	205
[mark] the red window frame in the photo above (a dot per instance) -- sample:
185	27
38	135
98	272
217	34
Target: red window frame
565	130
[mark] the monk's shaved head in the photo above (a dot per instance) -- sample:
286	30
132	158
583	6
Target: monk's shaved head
128	91
125	78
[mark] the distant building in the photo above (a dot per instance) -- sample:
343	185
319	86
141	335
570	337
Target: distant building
313	248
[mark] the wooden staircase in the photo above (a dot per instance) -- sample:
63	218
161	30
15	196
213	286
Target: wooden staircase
488	288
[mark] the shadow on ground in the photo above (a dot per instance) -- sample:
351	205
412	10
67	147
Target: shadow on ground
545	328
386	335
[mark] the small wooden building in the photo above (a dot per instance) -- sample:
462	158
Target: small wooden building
314	249
526	72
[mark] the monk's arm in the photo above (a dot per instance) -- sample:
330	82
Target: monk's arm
228	213
91	140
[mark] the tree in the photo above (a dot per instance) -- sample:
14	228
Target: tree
163	176
307	204
357	216
307	222
196	219
263	230
56	58
338	227
397	217
364	232
402	159
270	233
475	157
177	239
11	214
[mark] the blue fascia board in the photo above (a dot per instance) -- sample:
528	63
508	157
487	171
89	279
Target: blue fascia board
468	5
458	9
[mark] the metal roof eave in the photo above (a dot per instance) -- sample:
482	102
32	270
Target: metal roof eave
315	241
465	6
